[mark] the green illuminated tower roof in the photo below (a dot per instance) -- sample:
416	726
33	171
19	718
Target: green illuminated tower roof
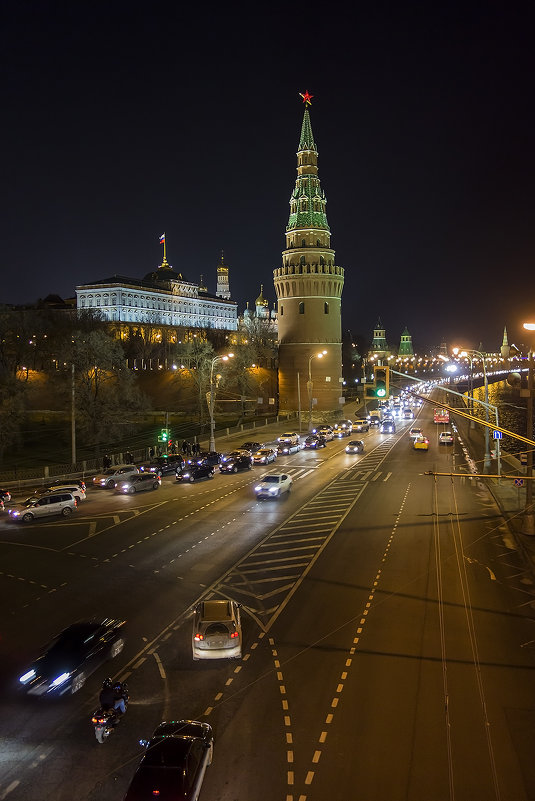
307	201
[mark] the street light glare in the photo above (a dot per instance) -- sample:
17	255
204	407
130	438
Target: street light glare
529	326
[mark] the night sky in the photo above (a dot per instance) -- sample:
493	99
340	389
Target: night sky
122	121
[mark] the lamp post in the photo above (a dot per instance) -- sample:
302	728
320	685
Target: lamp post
212	398
528	520
486	466
309	382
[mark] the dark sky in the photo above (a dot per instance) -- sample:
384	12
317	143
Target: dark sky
125	120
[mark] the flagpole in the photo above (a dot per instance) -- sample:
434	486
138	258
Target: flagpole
164	254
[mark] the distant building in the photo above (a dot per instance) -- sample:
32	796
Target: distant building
223	288
379	347
405	344
505	349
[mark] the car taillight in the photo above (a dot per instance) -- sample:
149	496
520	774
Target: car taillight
233	635
76	501
199	637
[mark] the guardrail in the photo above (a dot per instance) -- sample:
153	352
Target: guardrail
41	476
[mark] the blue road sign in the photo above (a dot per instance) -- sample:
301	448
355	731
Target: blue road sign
519	482
497	435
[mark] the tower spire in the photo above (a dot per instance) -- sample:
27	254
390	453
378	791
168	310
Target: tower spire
309	288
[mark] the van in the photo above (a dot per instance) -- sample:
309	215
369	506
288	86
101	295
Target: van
54	503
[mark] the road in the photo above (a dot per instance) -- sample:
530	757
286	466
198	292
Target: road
388	633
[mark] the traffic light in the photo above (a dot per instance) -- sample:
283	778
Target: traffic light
164	435
381	376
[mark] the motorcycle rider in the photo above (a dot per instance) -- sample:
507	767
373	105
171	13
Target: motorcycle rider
112	696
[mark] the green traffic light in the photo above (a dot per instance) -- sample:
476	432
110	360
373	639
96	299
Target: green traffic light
381	393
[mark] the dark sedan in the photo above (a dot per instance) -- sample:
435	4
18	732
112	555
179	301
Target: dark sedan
251	446
206	457
193	472
72	656
315	441
62	482
237	460
174	763
163	465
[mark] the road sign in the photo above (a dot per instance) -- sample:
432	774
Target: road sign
523	458
519	482
497	435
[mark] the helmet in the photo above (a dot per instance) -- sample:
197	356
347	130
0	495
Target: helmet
106	684
117	686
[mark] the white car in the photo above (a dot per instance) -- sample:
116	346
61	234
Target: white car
273	485
361	425
415	432
445	438
74	489
289	438
216	630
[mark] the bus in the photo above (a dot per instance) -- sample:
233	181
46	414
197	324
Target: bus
441	416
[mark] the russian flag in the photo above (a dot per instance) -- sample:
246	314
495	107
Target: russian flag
162	239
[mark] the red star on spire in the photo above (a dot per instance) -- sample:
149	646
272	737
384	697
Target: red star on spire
307	98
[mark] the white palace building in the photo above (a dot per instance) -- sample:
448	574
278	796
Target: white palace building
162	297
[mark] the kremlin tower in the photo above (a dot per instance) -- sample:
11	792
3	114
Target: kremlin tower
309	291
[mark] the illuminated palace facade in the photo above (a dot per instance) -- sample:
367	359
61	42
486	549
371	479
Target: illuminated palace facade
161	298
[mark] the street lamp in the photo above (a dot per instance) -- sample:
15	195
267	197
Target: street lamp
309	382
212	398
485	379
528	521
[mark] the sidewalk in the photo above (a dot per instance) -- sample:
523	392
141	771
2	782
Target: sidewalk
510	499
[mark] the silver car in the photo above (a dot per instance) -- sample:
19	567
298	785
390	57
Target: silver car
143	481
57	503
216	630
114	475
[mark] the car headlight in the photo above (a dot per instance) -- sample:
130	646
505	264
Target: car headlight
258	489
14	512
60	680
26	677
273	489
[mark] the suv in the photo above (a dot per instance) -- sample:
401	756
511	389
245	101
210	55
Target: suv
361	425
237	460
56	503
216	630
445	438
114	475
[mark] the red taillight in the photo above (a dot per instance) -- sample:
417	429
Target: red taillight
198	637
156	792
233	635
76	501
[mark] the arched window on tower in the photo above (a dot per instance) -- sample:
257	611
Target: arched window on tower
302	307
325	308
303	243
282	310
322	260
302	260
318	243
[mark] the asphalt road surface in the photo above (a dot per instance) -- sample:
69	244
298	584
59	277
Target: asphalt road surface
388	633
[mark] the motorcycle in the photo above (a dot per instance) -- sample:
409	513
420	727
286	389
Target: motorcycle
105	720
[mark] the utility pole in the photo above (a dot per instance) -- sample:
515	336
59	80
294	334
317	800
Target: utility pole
73	419
528	520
